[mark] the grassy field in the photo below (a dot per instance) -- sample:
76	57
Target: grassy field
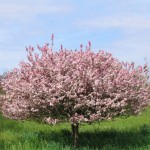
132	133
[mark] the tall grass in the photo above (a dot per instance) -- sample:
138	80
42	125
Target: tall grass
132	133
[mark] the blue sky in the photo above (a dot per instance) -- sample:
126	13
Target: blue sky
119	27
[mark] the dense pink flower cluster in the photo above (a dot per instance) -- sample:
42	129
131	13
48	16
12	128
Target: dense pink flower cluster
74	85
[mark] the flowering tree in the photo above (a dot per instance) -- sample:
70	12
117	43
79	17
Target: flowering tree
78	86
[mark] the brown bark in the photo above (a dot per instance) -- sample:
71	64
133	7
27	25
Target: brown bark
75	134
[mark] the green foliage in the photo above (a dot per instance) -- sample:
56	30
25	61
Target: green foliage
131	133
1	91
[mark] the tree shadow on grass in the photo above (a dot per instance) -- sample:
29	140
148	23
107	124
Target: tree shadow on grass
110	139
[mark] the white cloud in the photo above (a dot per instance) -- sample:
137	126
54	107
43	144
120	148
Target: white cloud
21	20
116	21
134	30
132	47
28	9
10	59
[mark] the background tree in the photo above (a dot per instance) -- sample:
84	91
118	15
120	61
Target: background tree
76	86
2	93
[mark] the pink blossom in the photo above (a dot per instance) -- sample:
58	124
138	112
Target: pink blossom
75	85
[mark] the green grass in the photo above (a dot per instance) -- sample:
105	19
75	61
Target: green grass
132	133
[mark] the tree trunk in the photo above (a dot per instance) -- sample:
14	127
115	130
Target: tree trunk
75	134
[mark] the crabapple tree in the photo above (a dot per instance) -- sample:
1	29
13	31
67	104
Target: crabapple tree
77	86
